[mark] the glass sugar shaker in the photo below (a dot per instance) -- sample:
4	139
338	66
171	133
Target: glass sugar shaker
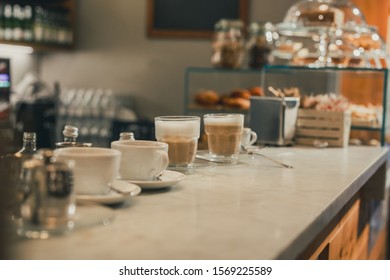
47	200
228	44
260	44
70	134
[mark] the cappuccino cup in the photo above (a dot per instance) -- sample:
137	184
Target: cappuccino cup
224	132
248	137
141	160
94	168
181	133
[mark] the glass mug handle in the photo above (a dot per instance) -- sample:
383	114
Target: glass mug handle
249	137
253	138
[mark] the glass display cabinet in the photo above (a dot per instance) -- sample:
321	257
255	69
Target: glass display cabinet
225	90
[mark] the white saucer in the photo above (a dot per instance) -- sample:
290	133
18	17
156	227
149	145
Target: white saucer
126	190
167	179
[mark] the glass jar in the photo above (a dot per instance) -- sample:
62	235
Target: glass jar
228	44
260	44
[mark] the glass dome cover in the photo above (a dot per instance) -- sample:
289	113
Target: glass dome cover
321	33
324	13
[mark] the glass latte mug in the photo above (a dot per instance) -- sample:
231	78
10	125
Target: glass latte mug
224	132
181	133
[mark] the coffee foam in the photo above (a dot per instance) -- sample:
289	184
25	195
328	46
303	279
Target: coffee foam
186	129
224	121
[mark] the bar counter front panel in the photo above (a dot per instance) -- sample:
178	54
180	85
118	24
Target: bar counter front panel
251	210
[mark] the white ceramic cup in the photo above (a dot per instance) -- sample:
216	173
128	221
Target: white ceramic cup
95	168
248	137
141	160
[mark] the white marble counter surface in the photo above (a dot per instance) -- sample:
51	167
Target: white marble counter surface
251	210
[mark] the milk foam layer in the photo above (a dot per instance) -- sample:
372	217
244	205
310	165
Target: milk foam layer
177	128
225	120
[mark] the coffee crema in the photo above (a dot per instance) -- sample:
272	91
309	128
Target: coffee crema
223	139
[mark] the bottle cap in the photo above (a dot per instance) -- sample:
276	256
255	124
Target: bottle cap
126	136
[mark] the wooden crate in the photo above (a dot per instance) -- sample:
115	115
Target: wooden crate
332	127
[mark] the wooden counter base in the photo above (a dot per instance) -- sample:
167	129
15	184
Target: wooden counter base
350	235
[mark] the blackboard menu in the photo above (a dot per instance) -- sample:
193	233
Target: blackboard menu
191	18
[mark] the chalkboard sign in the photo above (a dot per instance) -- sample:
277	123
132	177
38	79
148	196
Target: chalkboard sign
191	18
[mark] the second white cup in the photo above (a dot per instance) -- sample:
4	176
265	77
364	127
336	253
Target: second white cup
95	168
141	160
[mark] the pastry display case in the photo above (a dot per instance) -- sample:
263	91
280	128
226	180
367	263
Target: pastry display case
216	90
323	47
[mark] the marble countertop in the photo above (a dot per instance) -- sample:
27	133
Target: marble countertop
251	210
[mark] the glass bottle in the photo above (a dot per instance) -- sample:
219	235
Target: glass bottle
1	22
28	24
17	31
259	45
8	22
10	172
228	44
38	24
29	145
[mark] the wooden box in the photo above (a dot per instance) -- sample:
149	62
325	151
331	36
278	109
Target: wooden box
330	127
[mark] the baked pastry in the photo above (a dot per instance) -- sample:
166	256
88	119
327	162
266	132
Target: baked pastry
365	41
207	98
240	93
256	91
236	102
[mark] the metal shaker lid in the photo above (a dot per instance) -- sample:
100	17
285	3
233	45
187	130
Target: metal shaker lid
70	131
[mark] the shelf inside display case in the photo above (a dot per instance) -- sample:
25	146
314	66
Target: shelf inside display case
365	88
215	89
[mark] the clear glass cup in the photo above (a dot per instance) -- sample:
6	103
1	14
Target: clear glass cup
181	133
228	44
224	132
